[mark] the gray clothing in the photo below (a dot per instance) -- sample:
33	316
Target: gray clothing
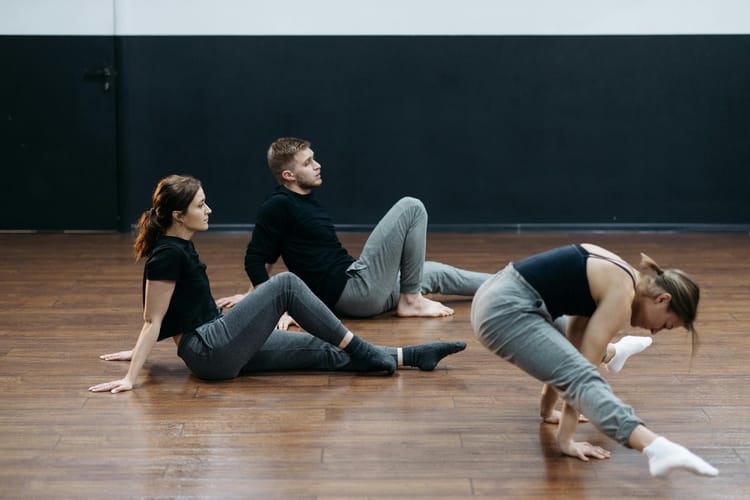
244	340
510	319
392	262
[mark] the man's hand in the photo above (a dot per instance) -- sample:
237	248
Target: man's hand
285	322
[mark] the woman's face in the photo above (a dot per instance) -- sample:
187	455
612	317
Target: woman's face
195	217
654	314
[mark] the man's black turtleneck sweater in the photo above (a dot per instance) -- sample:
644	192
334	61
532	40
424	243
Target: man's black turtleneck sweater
298	229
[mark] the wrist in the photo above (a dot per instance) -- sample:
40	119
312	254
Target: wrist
564	442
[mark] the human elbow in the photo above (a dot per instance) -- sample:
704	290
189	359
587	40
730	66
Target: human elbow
150	319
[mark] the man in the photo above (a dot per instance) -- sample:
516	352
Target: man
391	272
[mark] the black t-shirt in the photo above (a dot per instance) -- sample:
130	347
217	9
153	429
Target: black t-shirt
191	305
298	229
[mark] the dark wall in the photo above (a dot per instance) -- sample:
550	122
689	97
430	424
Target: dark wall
492	131
486	130
57	134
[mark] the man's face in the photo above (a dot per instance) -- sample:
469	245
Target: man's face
305	171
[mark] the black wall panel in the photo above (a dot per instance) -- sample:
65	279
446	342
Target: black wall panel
490	131
494	130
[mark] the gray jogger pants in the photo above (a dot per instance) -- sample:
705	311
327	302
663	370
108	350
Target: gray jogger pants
510	319
392	262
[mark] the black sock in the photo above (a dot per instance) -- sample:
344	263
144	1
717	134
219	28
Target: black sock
365	357
427	356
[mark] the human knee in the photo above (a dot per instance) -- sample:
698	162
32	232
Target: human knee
409	202
288	280
490	336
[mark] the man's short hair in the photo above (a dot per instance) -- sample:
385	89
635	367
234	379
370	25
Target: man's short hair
281	154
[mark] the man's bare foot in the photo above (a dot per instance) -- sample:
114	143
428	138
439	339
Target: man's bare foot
419	306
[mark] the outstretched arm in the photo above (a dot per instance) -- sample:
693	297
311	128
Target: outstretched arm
547	406
575	326
158	295
592	336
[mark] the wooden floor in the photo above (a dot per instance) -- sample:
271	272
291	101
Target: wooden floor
467	430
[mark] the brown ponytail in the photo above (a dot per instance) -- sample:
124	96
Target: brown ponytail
173	193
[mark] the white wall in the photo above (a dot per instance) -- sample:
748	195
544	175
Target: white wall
379	17
57	17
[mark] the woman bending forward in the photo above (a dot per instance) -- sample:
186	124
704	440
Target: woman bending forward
517	315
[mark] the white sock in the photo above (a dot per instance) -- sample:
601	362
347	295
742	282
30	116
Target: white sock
626	347
664	456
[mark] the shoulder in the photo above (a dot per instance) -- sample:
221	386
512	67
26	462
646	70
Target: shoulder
168	255
166	246
609	272
596	249
278	201
609	282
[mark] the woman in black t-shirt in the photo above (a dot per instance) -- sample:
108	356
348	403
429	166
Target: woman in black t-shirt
177	303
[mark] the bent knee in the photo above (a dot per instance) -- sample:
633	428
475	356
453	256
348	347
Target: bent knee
287	278
411	202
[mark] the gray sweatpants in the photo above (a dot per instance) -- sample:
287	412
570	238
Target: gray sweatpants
392	262
510	319
244	339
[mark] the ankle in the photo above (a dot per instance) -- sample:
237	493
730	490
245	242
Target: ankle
409	299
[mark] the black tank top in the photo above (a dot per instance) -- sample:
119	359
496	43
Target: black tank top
559	275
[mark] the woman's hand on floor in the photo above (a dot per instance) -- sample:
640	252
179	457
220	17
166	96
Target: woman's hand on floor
583	450
117	356
114	387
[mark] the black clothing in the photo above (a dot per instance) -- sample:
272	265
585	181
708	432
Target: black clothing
191	305
298	229
559	275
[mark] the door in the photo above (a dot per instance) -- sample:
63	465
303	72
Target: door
58	132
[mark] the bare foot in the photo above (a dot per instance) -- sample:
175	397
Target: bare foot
417	305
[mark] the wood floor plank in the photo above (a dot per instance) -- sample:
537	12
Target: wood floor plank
467	430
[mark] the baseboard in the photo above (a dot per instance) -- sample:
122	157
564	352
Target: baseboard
536	228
